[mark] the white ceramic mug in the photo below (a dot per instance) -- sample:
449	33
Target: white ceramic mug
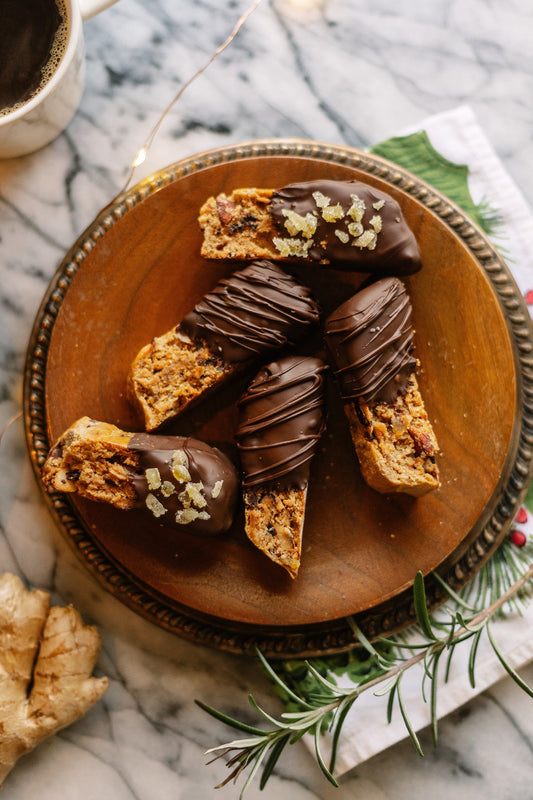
39	120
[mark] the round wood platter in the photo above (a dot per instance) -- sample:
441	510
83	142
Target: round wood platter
137	270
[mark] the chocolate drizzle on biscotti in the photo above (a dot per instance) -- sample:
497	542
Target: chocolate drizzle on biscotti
252	313
370	339
281	420
346	223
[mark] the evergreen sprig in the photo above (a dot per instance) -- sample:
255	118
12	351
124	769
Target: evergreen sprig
323	706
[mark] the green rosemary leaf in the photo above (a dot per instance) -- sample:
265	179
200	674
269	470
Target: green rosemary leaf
279	682
516	560
360	636
333	688
407	721
421	610
387	688
340	716
392	693
384	660
250	745
320	759
507	667
255	769
439	624
275	752
413	646
464	635
472	658
463	621
264	714
451	651
233	723
497	580
451	632
426	674
308	719
449	591
297	735
433	703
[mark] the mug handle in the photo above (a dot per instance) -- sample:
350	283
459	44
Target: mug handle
89	8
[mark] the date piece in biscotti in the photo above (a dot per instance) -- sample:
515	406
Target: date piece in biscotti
280	423
246	317
370	340
182	482
347	224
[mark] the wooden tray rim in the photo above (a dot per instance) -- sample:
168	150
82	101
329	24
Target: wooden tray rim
302	640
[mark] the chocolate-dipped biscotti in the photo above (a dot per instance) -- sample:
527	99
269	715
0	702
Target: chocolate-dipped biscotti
280	423
248	316
347	224
370	340
182	482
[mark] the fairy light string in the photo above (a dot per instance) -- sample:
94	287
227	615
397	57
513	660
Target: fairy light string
11	421
142	153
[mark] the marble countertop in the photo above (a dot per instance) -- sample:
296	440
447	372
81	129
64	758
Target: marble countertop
341	71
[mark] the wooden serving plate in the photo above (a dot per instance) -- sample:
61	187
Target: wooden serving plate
137	270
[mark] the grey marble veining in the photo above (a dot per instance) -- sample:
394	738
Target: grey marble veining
343	71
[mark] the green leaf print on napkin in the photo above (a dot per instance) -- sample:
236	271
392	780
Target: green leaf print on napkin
416	154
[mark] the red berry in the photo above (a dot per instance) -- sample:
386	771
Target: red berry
521	517
529	297
518	538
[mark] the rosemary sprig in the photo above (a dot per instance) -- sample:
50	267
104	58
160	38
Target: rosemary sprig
326	706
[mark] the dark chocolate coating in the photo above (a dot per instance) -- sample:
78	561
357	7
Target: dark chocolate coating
396	251
370	340
280	422
254	312
206	466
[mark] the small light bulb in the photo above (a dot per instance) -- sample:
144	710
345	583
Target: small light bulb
140	157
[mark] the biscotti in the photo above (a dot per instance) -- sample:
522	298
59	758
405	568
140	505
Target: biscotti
347	224
182	482
247	317
370	340
280	423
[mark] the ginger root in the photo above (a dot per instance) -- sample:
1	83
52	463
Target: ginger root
47	656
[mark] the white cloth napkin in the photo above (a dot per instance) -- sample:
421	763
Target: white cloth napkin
457	135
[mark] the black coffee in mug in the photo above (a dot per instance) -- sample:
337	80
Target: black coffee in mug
33	38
